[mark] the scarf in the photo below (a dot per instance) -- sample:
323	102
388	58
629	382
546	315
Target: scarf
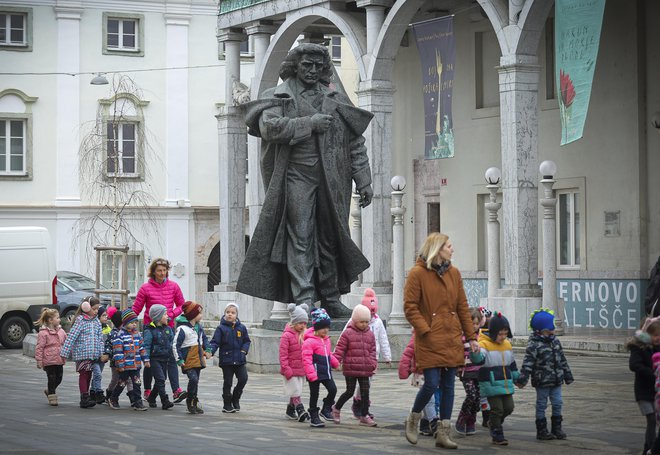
440	269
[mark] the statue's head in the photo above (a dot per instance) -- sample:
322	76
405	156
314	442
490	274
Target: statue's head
314	52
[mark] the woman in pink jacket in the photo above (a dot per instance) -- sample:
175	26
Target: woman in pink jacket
291	362
49	342
162	291
356	350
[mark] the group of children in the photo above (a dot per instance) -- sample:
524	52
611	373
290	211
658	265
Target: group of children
488	376
92	342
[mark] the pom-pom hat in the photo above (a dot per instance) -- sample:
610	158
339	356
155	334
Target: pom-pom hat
298	313
370	300
320	319
498	323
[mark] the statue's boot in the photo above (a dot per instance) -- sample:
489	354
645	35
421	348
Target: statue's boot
336	310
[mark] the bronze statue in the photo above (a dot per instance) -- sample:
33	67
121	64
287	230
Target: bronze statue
312	148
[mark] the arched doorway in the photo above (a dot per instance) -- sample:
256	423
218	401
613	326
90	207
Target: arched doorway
213	264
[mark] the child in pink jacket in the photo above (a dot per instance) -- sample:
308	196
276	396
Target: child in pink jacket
49	342
356	350
291	362
319	361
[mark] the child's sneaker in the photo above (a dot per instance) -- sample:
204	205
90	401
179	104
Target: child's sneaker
179	395
291	412
498	436
336	414
326	414
425	427
147	392
367	421
113	403
355	408
138	406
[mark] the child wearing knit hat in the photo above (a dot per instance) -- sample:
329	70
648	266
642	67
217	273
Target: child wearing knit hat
190	342
498	374
232	342
383	350
291	363
128	354
96	389
158	338
115	318
318	361
546	364
356	350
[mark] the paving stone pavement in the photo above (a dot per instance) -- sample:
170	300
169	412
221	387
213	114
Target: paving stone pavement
600	416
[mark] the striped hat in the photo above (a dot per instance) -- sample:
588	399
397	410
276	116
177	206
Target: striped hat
128	316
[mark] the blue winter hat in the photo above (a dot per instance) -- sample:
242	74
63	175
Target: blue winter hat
320	319
542	319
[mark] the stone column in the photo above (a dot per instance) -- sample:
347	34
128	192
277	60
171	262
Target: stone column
232	170
493	241
548	201
376	96
375	18
397	317
261	32
521	294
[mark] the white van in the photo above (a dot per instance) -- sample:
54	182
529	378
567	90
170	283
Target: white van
27	281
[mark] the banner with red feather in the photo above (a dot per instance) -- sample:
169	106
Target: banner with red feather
577	36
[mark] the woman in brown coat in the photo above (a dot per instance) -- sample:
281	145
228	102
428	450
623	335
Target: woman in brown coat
436	307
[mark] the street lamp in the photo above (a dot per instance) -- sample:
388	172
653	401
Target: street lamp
548	169
99	79
493	176
397	318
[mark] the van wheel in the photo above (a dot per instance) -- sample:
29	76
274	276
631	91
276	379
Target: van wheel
12	332
67	319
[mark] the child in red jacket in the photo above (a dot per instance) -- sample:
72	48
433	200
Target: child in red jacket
291	362
319	361
356	350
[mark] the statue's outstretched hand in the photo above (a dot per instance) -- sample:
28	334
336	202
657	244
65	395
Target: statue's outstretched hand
321	122
366	194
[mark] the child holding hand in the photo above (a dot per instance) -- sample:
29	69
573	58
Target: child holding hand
291	362
128	354
356	351
49	343
158	338
318	361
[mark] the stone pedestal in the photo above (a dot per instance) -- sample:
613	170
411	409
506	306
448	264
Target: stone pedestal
251	310
516	308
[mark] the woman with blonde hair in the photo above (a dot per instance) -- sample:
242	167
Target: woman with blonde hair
436	306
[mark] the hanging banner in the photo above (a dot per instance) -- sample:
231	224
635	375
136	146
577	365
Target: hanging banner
577	35
437	53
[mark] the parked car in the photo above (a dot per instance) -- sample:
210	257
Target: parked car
27	281
72	288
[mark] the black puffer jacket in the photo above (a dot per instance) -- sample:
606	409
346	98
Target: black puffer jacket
545	363
653	291
642	365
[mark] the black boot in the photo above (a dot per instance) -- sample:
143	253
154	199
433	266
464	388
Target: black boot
99	397
291	412
556	427
497	433
165	402
86	401
486	418
326	410
314	420
336	310
542	430
227	407
198	407
236	400
151	399
190	406
302	414
108	394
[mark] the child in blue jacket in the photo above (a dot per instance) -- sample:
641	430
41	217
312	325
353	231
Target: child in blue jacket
498	373
128	356
158	339
233	343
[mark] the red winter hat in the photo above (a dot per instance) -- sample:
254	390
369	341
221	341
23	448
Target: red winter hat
370	300
111	311
191	310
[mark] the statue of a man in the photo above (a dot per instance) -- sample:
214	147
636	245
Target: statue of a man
312	149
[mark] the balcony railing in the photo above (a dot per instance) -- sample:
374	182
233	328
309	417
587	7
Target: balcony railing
227	6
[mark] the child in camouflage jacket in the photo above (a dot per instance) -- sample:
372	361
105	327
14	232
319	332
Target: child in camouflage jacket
546	364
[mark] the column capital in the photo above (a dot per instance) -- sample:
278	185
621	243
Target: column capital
261	28
380	3
519	61
231	34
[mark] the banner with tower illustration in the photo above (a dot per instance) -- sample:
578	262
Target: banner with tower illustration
577	36
437	53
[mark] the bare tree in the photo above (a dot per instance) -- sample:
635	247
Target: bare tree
115	177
